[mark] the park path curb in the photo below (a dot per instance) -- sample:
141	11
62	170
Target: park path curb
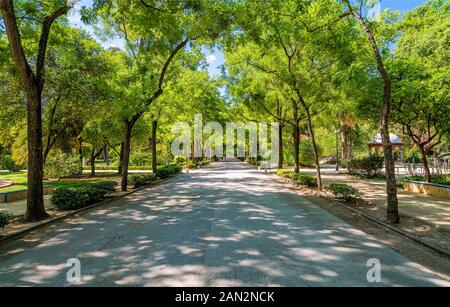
435	248
8	238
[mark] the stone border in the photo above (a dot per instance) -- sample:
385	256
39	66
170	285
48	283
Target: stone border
21	233
6	197
426	188
435	248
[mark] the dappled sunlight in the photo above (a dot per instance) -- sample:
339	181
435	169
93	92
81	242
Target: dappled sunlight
207	228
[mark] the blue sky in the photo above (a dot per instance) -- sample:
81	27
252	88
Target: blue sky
215	58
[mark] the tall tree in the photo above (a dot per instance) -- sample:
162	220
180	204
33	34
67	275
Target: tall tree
391	183
33	82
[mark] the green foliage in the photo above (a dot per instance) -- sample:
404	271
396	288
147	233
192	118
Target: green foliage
412	156
140	158
284	173
304	179
306	155
344	191
255	161
10	164
168	170
76	198
367	167
298	178
114	168
60	165
180	160
141	180
4	218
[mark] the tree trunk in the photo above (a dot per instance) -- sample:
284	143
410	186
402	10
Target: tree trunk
391	183
344	141
280	147
351	143
296	136
33	85
35	198
80	151
313	141
122	149
106	155
92	162
126	155
154	141
426	168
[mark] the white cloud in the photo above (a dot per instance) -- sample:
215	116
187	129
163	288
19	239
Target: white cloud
211	58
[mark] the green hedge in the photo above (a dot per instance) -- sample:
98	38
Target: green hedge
4	218
114	168
285	173
76	198
141	180
197	164
344	191
305	179
300	178
168	170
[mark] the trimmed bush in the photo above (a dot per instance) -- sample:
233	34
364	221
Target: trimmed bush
300	178
4	218
180	160
76	198
304	179
344	191
168	170
141	180
107	186
113	168
367	167
197	164
284	173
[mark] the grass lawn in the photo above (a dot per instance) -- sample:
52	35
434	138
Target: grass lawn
20	181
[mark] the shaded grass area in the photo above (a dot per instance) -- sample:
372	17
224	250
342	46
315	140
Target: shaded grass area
20	181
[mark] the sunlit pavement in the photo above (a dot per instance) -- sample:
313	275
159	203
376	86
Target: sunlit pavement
224	226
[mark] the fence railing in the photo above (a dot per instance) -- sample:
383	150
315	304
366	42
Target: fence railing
416	169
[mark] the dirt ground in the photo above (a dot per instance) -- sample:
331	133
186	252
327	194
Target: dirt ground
405	246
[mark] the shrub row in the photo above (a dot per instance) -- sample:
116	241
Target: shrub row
298	178
197	164
367	167
344	191
141	180
168	170
4	218
114	168
76	198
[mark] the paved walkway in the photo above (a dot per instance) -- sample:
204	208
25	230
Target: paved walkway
224	226
431	209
